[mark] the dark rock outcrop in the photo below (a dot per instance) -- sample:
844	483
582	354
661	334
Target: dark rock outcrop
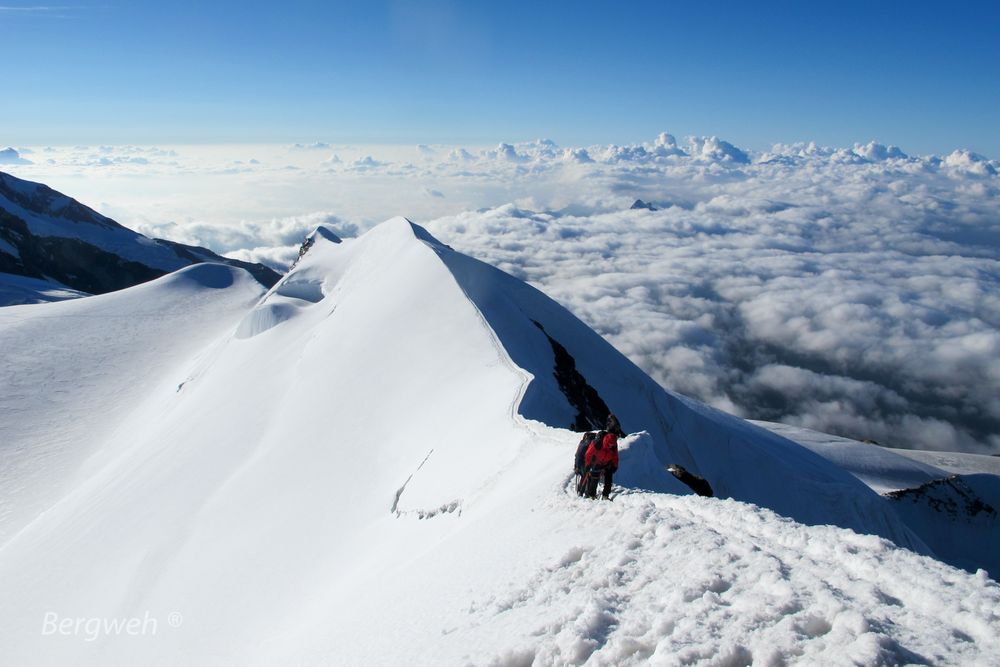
957	518
591	410
310	239
952	496
72	262
697	484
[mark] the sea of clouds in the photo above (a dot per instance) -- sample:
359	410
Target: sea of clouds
853	290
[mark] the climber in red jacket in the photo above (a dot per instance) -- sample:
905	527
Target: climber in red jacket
601	458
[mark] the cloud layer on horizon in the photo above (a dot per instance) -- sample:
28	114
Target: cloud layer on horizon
854	291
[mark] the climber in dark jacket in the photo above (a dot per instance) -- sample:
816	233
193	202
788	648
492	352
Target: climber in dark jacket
581	452
579	460
602	457
614	427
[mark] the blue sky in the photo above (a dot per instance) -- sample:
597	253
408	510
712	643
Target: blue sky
924	76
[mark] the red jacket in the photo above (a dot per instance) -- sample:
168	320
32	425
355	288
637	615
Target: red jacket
607	455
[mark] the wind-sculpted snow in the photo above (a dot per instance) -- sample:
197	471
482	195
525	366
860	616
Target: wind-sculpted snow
73	370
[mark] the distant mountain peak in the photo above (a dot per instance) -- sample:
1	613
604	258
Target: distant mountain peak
321	232
48	236
42	200
640	204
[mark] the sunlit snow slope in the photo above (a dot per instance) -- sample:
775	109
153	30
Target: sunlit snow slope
371	466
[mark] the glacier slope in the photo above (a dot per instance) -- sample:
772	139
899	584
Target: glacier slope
74	370
949	499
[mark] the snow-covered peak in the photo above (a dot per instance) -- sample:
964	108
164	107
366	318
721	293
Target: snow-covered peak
321	233
72	248
40	201
325	232
572	370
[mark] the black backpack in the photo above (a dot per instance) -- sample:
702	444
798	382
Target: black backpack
599	439
581	450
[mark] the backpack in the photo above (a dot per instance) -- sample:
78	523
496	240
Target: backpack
599	440
581	450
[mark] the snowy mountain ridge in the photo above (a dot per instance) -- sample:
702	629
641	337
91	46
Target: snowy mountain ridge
378	447
49	237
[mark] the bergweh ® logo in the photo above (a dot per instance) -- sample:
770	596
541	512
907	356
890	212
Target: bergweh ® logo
93	628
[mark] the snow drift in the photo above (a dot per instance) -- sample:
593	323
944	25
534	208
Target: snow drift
378	448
